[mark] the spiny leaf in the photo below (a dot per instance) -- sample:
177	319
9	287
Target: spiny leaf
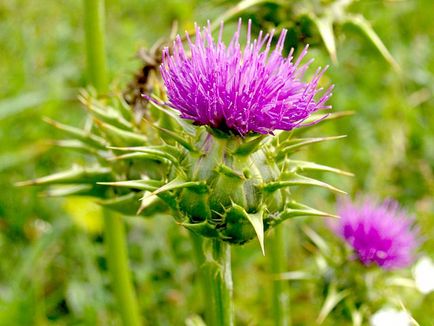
69	191
318	116
250	146
258	224
186	126
122	106
177	183
317	240
325	28
178	138
76	145
139	156
365	26
75	175
295	209
129	204
79	134
229	172
293	179
295	143
148	185
103	112
162	152
295	165
331	301
120	137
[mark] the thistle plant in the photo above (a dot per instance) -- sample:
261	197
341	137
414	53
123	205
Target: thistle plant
380	240
216	153
228	168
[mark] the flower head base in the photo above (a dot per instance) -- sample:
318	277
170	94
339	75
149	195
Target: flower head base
240	91
378	233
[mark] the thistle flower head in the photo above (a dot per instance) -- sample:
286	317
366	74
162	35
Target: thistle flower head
237	90
379	233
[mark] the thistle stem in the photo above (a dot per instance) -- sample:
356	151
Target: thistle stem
217	269
117	257
94	23
280	289
197	243
114	230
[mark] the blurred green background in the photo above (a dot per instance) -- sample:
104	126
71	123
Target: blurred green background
52	267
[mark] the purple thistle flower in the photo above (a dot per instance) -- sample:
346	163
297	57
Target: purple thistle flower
240	91
379	233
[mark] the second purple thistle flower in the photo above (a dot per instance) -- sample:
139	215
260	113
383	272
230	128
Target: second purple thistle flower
237	90
379	233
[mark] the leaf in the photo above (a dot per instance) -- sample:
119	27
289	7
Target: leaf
317	240
10	160
292	144
331	301
128	204
77	133
294	179
75	145
320	116
250	146
229	172
105	113
186	126
17	104
178	138
365	26
258	224
69	191
178	183
148	185
194	320
120	137
325	27
75	175
294	209
304	165
162	152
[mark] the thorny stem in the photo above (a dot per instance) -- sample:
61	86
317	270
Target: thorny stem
116	245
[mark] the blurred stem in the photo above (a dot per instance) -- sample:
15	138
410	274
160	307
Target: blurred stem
217	269
95	44
280	289
114	229
116	253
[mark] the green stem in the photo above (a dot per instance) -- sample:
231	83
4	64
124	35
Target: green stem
197	242
117	257
116	246
280	289
95	44
217	269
